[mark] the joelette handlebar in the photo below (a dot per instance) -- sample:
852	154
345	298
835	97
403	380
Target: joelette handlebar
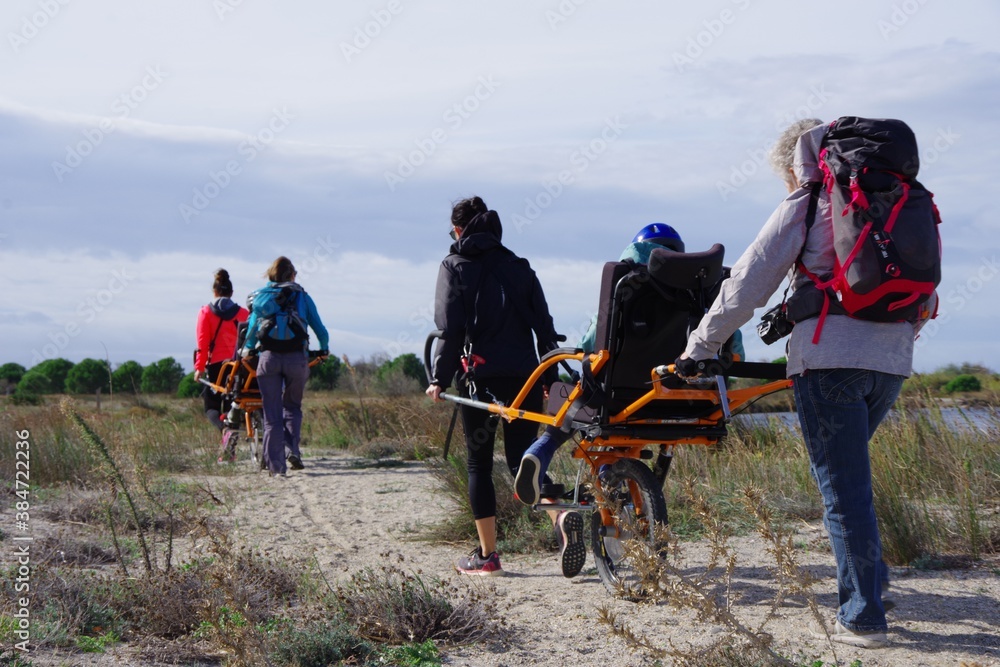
741	369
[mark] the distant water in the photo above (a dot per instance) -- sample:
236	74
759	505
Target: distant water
986	420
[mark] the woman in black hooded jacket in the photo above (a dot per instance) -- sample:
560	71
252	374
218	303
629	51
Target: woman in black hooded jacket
489	298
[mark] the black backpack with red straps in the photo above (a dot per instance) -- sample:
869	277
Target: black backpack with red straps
885	223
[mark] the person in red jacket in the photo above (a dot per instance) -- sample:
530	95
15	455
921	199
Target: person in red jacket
218	324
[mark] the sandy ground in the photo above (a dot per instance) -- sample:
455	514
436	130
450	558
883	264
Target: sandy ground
348	517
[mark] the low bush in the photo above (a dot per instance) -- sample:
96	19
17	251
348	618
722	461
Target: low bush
963	383
319	644
389	604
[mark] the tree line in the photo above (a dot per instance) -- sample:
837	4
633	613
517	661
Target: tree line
400	375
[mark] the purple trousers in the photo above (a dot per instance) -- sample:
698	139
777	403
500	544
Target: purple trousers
282	377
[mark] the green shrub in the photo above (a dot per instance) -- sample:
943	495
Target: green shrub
411	655
35	382
48	377
88	376
127	378
97	644
326	375
963	383
162	377
407	365
22	397
318	644
188	388
10	375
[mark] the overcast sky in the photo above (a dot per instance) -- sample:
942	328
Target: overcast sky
146	144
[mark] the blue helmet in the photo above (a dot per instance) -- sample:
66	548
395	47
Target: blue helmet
661	233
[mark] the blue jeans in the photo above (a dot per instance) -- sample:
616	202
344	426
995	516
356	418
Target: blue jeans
281	377
839	410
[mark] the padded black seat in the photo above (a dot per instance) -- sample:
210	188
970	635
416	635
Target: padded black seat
644	321
693	271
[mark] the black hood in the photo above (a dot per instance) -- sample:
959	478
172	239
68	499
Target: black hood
483	233
224	308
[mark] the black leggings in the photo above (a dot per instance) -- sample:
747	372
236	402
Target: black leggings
480	433
214	403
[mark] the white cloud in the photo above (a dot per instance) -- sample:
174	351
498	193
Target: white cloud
74	304
319	186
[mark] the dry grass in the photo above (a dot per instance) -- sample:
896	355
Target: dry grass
709	592
389	604
937	488
937	485
230	599
519	530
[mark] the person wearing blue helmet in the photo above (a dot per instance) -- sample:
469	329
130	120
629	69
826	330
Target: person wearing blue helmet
649	238
536	459
653	235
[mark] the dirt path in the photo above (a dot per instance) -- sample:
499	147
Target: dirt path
347	517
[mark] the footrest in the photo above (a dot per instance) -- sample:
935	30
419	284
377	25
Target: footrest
552	490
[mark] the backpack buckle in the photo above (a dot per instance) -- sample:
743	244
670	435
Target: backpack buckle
469	362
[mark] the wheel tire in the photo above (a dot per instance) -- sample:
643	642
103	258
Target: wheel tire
257	441
636	500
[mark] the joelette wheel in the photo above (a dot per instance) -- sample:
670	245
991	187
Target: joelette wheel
635	500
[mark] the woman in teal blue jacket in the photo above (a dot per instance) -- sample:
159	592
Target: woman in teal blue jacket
278	327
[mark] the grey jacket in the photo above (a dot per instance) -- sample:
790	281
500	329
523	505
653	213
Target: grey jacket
845	342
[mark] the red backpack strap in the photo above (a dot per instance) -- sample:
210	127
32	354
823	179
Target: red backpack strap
858	198
894	214
820	285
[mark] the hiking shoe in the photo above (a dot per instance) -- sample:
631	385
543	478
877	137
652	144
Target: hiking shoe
229	440
534	463
475	565
295	463
573	551
842	635
526	484
226	458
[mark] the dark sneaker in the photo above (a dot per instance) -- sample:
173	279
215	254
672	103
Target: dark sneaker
842	635
573	552
526	484
474	564
295	463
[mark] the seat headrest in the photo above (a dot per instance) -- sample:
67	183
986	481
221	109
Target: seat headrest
687	270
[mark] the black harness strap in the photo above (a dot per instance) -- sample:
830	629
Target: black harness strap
211	344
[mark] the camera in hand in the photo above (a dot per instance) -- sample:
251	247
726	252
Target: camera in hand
774	325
